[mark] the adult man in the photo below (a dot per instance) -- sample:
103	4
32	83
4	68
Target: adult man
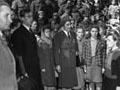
25	46
7	62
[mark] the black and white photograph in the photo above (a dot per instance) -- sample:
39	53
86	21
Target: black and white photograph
59	44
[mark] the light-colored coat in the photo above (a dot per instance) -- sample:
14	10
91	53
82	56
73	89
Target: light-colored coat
7	68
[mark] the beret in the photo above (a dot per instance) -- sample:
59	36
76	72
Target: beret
2	2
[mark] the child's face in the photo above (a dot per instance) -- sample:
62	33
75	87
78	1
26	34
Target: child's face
72	23
34	25
113	2
47	33
97	16
110	41
41	14
80	32
94	32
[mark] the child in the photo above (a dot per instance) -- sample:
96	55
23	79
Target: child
79	61
45	52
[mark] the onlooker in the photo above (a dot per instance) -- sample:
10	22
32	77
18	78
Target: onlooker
36	6
94	56
112	55
47	64
7	62
25	46
65	48
79	60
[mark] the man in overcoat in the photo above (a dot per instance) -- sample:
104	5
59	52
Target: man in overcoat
25	47
7	63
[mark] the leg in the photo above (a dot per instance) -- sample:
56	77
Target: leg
99	86
45	88
65	89
91	86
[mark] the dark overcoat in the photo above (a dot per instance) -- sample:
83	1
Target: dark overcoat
25	45
65	56
45	53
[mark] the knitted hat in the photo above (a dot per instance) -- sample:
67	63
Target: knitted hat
2	2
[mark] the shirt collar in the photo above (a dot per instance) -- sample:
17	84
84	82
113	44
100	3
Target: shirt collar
1	34
65	32
26	27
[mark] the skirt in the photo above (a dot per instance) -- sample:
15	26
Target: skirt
94	72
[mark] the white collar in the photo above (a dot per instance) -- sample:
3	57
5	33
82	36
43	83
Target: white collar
1	34
65	32
26	27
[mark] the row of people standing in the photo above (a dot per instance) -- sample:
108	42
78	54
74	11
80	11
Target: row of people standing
48	56
91	64
61	57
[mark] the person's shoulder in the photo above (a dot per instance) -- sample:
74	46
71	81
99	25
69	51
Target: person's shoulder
85	41
19	31
59	33
116	54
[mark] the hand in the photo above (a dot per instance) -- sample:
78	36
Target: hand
103	70
118	88
43	70
85	68
56	74
77	53
26	75
58	68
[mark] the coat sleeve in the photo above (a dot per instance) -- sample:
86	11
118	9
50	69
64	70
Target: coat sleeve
115	68
17	41
56	45
104	53
41	56
84	51
6	65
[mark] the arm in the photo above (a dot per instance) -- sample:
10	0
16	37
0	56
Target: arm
17	42
83	51
104	54
57	51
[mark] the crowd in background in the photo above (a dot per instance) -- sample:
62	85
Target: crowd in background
75	41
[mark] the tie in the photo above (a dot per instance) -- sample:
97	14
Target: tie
69	36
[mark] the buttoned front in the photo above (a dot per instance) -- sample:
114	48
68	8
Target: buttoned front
65	56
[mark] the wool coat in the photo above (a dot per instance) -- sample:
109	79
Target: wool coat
45	53
7	68
65	56
25	45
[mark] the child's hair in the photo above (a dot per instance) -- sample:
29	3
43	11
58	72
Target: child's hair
116	36
81	27
46	27
94	26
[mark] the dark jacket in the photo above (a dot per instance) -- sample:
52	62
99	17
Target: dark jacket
25	45
115	66
65	56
